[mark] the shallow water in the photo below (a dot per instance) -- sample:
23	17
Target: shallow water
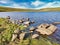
38	17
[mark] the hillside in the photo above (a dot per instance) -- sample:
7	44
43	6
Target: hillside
6	9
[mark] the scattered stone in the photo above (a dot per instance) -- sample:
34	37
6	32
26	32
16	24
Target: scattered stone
32	28
25	26
27	23
22	35
20	21
35	36
14	36
17	31
8	17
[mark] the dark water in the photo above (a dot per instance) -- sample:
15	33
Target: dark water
38	17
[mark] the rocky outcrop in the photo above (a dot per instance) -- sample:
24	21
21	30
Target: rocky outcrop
46	29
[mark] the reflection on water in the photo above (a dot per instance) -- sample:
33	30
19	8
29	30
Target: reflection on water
38	17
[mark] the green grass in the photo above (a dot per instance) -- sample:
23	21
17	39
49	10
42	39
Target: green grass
7	29
6	9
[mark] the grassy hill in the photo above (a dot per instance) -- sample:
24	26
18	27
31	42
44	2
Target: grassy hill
6	9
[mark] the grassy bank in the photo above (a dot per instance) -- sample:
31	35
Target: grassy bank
7	29
6	9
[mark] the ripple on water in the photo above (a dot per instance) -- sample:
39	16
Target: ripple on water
56	35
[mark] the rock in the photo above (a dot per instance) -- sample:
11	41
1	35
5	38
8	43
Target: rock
27	19
23	20
8	17
22	35
43	26
13	21
27	22
35	36
25	26
52	28
32	22
17	31
32	28
14	36
47	31
55	23
20	21
31	31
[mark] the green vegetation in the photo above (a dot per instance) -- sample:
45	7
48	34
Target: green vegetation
6	31
6	9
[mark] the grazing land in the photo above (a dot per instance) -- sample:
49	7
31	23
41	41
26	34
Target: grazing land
6	9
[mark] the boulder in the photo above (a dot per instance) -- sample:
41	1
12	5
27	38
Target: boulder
52	28
32	28
21	21
25	26
46	30
8	17
27	22
43	25
16	31
14	36
22	35
35	36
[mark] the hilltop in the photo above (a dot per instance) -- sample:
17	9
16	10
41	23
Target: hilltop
7	9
